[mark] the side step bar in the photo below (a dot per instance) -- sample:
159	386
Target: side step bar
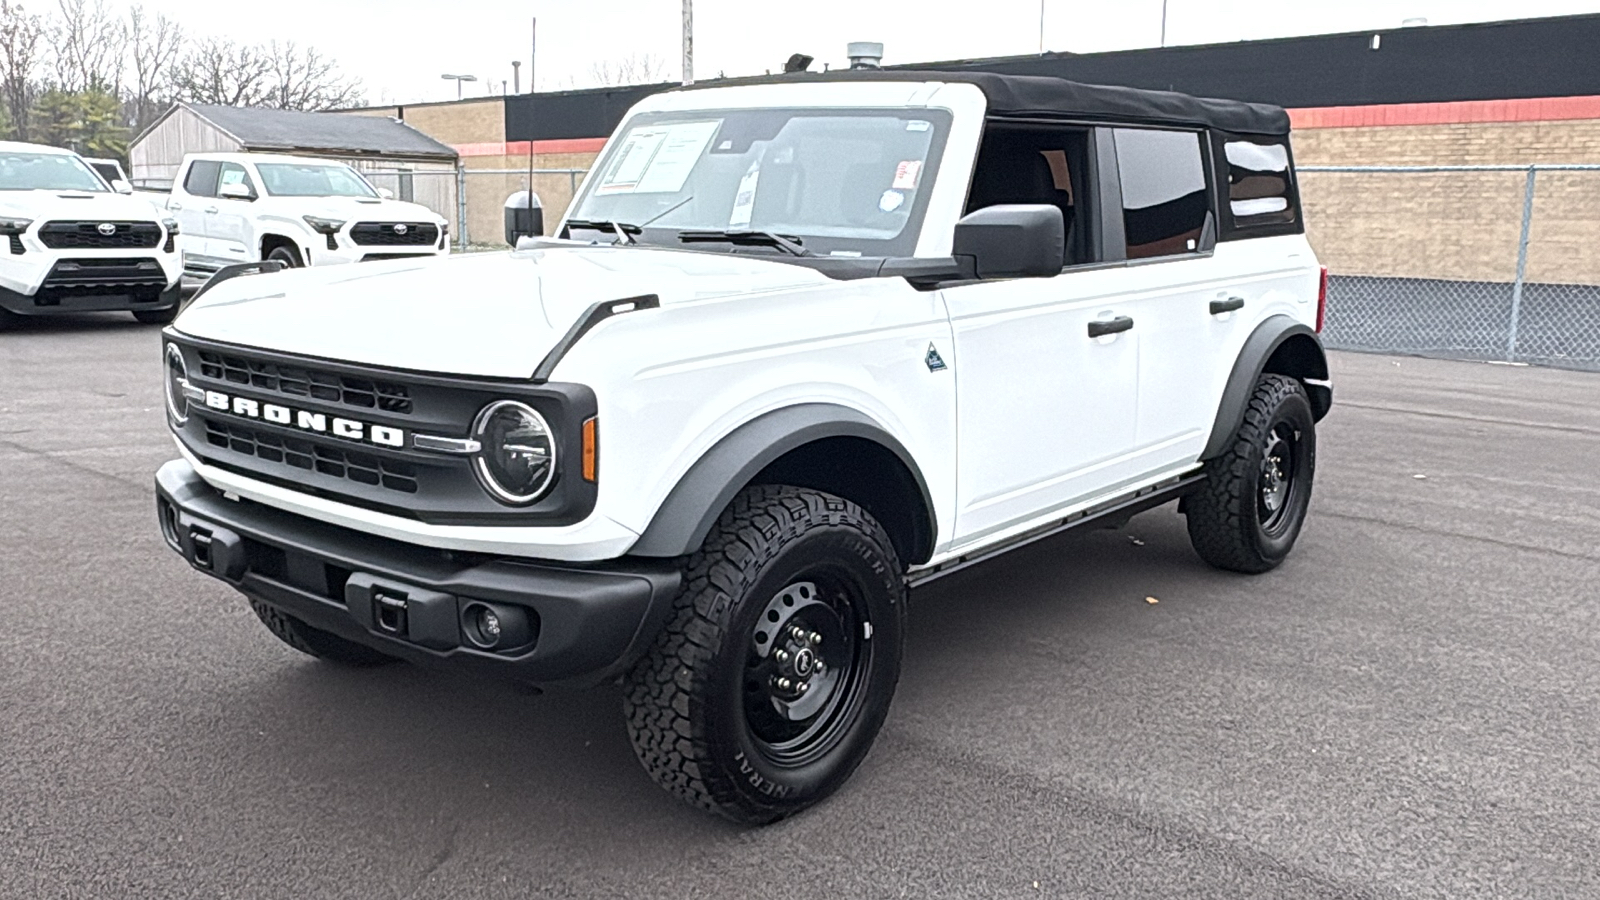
1106	514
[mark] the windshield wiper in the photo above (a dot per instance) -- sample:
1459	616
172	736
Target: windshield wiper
789	245
622	230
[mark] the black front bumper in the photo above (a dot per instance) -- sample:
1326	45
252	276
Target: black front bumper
588	623
109	297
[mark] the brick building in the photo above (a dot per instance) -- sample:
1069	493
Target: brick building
1504	93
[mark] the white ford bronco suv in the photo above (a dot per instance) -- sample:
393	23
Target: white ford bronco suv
247	207
72	244
801	345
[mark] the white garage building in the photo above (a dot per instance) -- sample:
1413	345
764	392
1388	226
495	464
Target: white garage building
390	153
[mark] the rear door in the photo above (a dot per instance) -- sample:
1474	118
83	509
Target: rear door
1183	298
198	193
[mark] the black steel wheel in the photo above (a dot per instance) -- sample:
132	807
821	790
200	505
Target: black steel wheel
1247	515
770	682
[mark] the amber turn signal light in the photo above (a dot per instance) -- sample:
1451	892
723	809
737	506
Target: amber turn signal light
591	462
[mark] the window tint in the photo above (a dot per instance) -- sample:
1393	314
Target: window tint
233	173
1164	202
1037	165
1258	183
202	179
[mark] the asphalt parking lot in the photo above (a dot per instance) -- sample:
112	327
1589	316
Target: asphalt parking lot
1407	708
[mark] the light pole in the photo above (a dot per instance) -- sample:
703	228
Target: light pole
688	41
1163	23
458	79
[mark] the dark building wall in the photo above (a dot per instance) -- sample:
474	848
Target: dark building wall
1505	60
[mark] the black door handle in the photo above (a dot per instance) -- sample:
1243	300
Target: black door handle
1218	307
1104	327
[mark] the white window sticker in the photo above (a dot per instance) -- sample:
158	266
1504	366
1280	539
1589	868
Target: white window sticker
917	125
744	202
657	159
890	201
906	174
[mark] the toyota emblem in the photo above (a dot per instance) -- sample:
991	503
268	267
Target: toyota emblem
107	228
402	228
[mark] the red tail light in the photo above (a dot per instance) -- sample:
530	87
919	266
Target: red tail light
1322	300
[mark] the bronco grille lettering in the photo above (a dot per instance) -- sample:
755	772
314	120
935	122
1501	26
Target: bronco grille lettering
305	420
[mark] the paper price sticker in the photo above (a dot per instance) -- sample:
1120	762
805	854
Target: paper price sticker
906	175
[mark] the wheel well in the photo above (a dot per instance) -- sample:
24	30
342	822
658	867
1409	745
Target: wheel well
1301	357
866	473
270	242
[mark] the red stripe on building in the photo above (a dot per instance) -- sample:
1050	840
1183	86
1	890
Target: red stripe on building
522	148
1540	109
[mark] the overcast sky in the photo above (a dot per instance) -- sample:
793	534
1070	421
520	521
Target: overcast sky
399	48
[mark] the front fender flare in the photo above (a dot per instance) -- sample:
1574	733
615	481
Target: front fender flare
684	519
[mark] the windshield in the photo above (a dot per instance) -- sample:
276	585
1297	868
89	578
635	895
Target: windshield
313	180
843	182
47	172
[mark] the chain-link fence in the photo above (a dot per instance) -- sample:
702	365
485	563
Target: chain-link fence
1462	262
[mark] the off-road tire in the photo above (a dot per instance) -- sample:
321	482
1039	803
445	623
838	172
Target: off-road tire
686	699
1225	519
289	256
156	316
314	641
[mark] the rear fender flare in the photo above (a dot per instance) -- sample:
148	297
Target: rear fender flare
1308	363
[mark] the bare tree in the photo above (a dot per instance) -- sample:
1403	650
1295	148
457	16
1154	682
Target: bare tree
20	37
302	78
153	46
635	68
223	72
87	45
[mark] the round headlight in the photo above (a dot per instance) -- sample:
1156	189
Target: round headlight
518	456
177	378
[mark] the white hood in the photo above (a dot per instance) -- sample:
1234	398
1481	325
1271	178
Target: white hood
492	314
362	209
73	206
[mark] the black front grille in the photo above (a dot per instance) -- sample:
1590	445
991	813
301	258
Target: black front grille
362	393
89	236
394	234
313	456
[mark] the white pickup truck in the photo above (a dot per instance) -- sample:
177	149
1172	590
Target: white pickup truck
244	208
69	243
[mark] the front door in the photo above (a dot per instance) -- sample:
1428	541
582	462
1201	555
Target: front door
230	229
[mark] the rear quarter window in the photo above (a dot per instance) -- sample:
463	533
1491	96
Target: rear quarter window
1261	196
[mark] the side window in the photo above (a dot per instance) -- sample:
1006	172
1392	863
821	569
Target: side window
1165	203
202	178
1038	165
1259	189
233	173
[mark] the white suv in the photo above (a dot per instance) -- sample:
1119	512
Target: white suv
810	341
74	245
249	207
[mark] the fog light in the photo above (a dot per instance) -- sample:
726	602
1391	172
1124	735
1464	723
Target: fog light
489	624
496	626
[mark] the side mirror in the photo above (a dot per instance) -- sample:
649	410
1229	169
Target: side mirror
237	191
121	187
1022	240
524	216
385	193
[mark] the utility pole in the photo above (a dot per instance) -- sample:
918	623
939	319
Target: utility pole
533	56
688	41
1163	23
1041	27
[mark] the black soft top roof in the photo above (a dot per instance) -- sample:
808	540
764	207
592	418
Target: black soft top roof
1039	96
